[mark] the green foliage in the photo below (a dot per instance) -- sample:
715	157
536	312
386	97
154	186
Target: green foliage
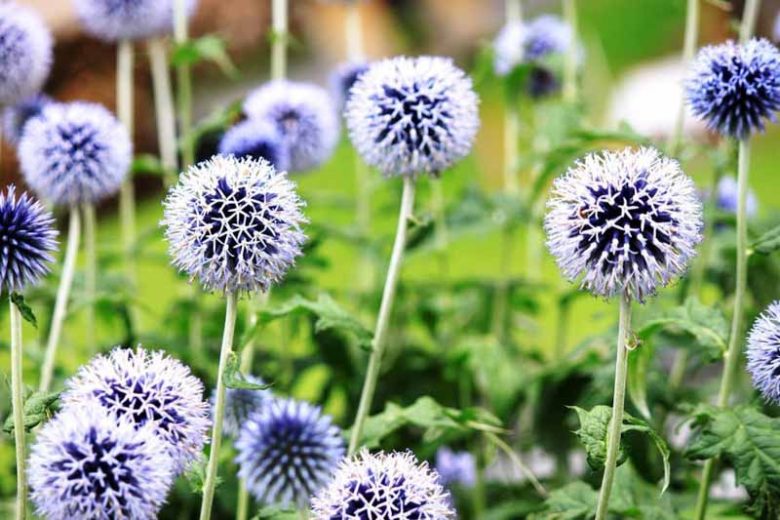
38	407
277	513
767	243
209	48
24	309
235	379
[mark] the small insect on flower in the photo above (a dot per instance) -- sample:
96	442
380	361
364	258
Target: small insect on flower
25	53
15	117
234	224
343	78
148	388
113	20
304	114
240	403
624	221
763	353
27	240
86	464
456	467
258	139
382	485
735	88
727	197
408	116
75	152
287	450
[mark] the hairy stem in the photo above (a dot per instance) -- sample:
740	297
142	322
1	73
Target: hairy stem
689	49
124	103
90	271
17	401
164	110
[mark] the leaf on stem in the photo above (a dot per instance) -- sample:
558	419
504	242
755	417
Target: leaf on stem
38	407
24	309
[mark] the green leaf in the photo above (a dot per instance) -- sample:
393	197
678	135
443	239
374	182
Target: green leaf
235	379
206	48
195	475
276	513
24	309
147	164
767	243
638	369
38	407
574	501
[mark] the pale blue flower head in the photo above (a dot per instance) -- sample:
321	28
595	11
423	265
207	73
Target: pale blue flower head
87	464
735	88
149	389
763	353
727	197
234	224
304	114
374	486
343	78
258	139
27	240
456	467
412	116
519	42
240	403
25	53
288	450
16	116
114	20
75	152
623	222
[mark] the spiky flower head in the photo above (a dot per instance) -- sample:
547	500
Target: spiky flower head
763	353
86	464
258	139
735	88
27	239
381	485
114	20
456	467
75	152
16	116
304	114
287	450
625	222
240	403
519	42
149	389
234	224
25	53
409	116
343	78
727	197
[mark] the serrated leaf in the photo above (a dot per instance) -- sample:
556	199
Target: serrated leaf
24	309
574	501
235	379
767	243
195	474
38	407
206	48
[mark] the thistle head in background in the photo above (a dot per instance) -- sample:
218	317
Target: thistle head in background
25	53
411	116
456	468
28	240
74	153
86	464
288	450
234	224
304	114
623	222
519	42
257	139
763	353
735	88
391	485
148	389
240	403
343	78
727	197
114	20
15	117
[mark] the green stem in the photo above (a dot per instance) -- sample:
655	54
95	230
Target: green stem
511	138
385	310
124	102
242	507
279	21
90	271
618	401
61	302
689	49
219	407
163	103
749	19
570	64
17	400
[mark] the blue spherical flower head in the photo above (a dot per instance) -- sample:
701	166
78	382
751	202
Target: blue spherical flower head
234	224
735	88
763	353
623	222
727	197
409	116
519	43
257	139
113	20
74	153
343	78
288	450
86	464
25	53
149	389
15	117
304	114
240	403
456	467
383	485
27	240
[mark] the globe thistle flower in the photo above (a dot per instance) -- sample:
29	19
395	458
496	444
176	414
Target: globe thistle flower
735	88
287	450
75	152
113	20
25	53
519	43
383	486
258	139
148	388
727	197
408	116
458	468
15	117
235	224
508	50
763	353
86	464
343	78
625	222
305	116
240	403
28	238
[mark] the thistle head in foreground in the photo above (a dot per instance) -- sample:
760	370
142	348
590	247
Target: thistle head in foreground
735	88
27	241
257	139
288	450
763	353
74	153
25	53
240	403
624	222
87	464
409	116
305	116
382	485
15	117
114	20
234	224
148	389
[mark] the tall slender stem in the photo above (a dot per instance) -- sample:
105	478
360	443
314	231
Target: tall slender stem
689	49
353	32
749	19
279	21
219	406
385	310
61	302
90	271
124	102
163	102
511	138
17	401
513	11
571	58
618	401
